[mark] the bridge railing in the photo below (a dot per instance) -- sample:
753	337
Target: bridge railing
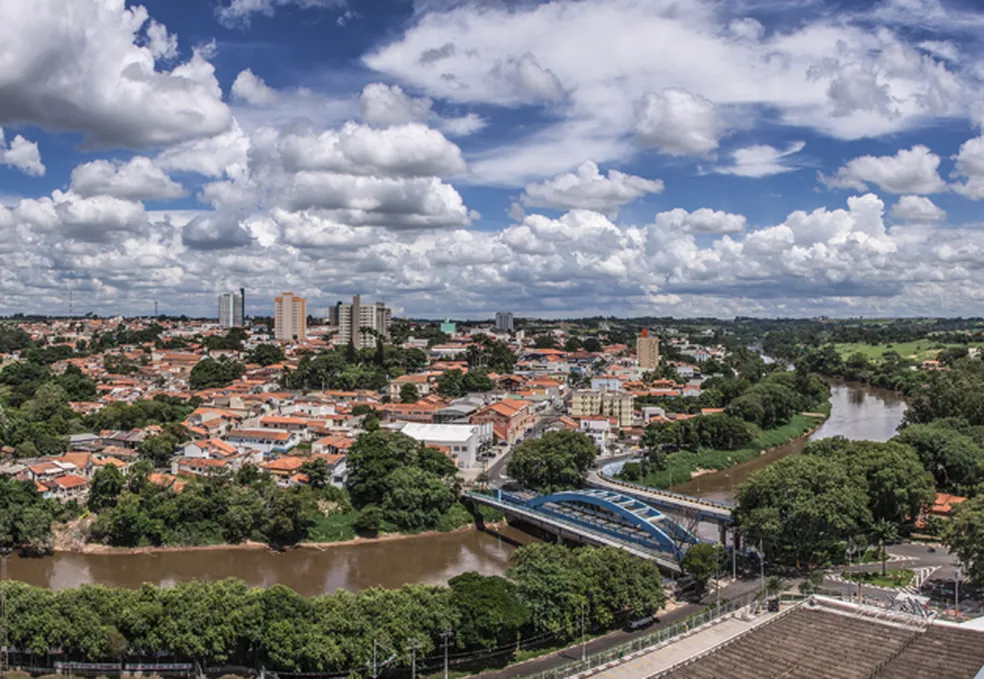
666	493
622	652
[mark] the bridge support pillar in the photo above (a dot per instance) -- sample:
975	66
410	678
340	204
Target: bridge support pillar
723	533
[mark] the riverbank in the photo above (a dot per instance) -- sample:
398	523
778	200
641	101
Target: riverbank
92	548
684	466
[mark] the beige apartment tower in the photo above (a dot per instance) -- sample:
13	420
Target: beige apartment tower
647	350
290	317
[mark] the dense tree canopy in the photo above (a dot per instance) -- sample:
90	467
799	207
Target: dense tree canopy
414	486
801	507
897	485
555	461
215	373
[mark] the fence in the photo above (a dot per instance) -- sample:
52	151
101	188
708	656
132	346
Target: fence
646	642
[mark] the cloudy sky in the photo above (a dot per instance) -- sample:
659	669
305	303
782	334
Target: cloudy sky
454	158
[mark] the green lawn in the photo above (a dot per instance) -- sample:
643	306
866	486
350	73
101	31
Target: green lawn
894	578
340	527
919	350
682	465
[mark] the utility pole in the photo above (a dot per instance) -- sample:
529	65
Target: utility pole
4	657
734	554
446	635
414	645
762	567
374	672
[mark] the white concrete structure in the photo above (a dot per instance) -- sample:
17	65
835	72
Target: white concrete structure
609	383
352	318
463	440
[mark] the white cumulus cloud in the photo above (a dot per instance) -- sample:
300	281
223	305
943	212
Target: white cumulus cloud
137	179
678	122
88	66
912	170
22	155
917	209
587	188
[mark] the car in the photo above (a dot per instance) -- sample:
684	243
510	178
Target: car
639	623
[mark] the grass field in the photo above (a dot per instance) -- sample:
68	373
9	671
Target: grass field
919	350
682	465
894	578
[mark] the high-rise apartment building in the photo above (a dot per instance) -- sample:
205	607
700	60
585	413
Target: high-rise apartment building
290	317
231	310
504	321
357	322
647	351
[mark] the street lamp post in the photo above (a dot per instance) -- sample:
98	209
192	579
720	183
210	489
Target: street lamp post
956	593
584	648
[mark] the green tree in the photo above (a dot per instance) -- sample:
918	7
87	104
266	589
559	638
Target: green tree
593	344
369	520
801	507
409	393
897	485
963	536
317	472
545	342
371	460
416	499
105	488
451	383
158	450
557	460
265	354
215	373
476	381
491	612
701	562
288	520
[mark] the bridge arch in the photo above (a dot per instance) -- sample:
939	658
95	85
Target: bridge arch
666	532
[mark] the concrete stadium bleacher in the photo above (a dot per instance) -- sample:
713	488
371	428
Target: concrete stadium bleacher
831	642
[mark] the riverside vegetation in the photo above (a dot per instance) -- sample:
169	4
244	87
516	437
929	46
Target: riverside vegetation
542	595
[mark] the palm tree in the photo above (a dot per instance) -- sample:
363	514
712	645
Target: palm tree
884	531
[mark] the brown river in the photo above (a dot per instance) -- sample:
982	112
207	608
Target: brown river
858	412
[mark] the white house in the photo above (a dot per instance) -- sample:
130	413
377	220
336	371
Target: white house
463	441
597	428
264	440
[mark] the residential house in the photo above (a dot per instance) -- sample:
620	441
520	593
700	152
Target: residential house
266	441
420	381
510	420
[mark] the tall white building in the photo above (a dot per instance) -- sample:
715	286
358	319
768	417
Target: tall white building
504	321
353	320
290	317
230	310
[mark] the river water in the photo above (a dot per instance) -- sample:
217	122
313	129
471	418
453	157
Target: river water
857	412
430	559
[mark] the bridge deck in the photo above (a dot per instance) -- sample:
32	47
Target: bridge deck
707	509
596	534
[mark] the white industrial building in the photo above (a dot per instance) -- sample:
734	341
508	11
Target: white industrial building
464	441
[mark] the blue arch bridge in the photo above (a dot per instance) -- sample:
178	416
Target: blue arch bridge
599	516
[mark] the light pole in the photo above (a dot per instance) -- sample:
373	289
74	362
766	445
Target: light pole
956	594
584	648
762	566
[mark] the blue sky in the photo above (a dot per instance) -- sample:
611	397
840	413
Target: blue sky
627	157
